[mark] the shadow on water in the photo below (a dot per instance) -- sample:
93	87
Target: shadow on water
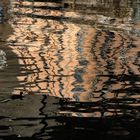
10	70
78	62
50	124
120	125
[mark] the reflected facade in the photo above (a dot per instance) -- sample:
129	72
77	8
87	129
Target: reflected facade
62	58
84	54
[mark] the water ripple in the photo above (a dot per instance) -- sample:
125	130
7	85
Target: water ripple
78	64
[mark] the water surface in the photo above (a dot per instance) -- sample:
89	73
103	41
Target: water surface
78	63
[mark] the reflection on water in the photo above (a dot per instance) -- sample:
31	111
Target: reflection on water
84	54
2	59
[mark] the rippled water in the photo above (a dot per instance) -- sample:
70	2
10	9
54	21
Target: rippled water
77	63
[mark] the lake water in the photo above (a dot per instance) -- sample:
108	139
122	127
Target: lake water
78	64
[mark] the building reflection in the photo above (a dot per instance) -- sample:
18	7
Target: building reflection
83	62
88	63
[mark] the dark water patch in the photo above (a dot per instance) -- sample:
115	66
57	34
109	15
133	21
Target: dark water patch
45	7
2	117
2	127
123	77
56	121
81	128
83	62
17	138
56	1
1	14
133	89
9	71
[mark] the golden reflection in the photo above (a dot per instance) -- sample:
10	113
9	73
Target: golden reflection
60	57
